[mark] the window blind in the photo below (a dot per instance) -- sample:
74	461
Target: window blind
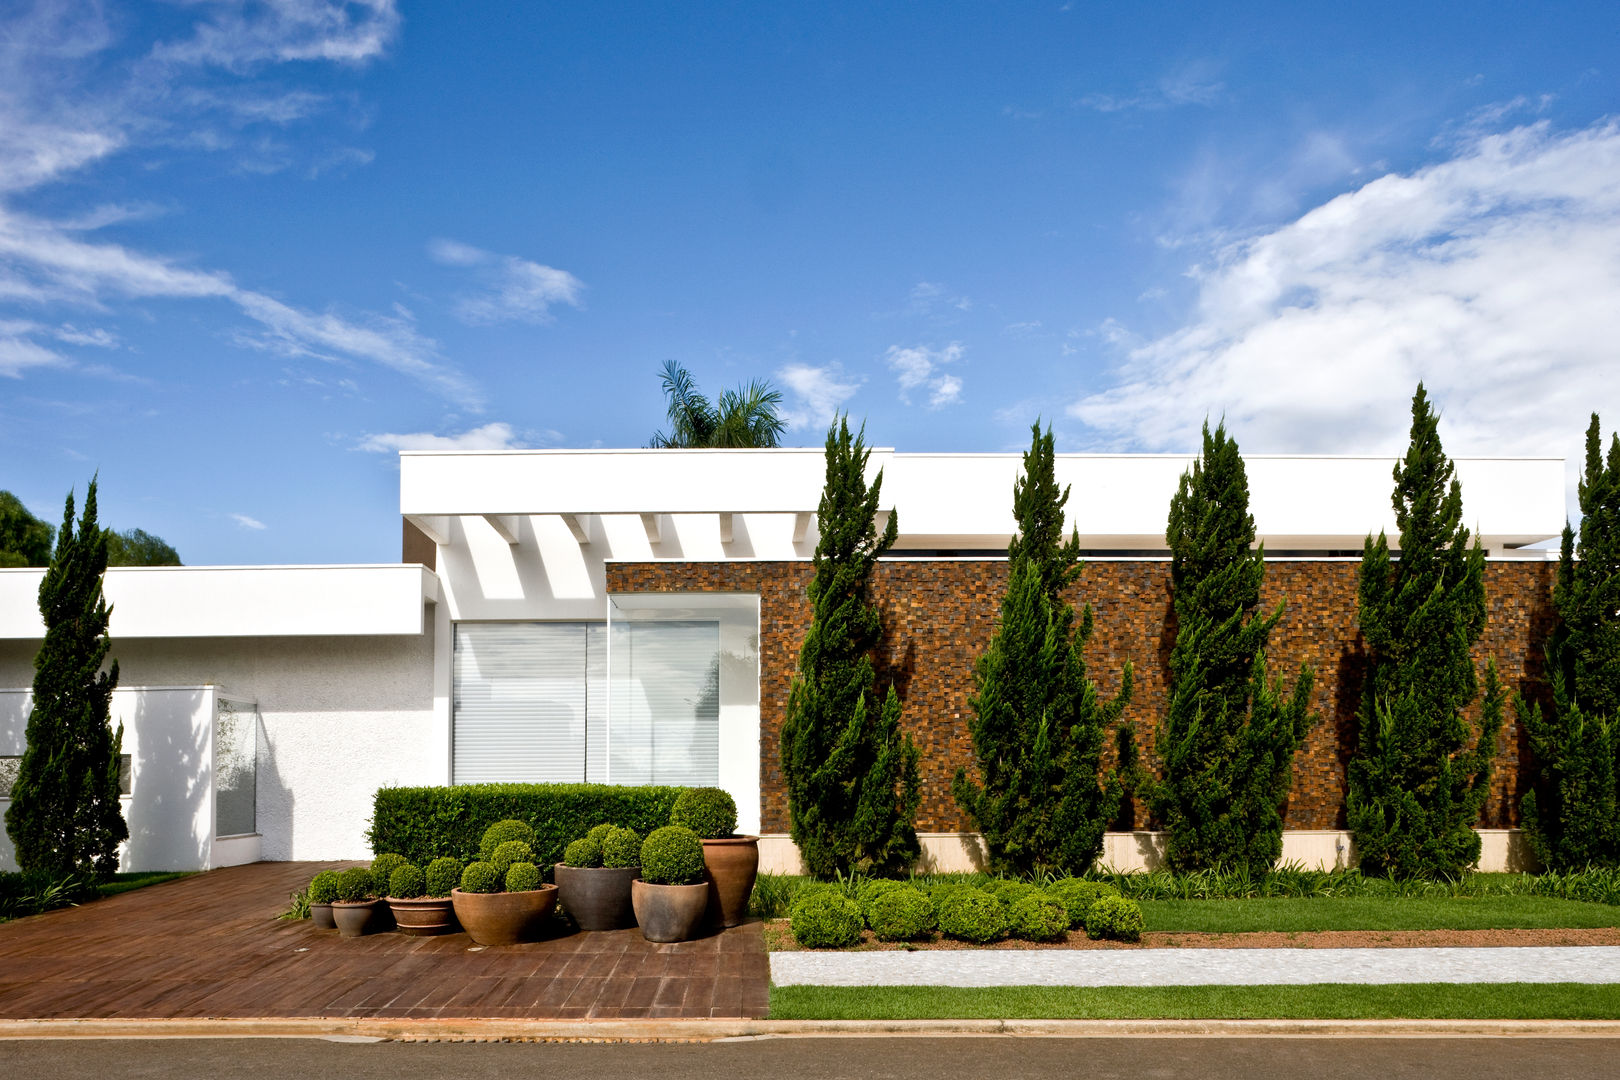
666	703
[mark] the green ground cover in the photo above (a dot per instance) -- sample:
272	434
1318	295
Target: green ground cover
1509	912
122	883
1409	1001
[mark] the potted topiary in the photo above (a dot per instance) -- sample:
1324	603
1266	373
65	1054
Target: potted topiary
416	912
732	861
322	891
382	872
593	880
354	907
670	896
502	900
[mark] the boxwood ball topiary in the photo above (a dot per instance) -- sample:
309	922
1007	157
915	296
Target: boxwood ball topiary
824	918
1038	917
382	871
522	877
508	853
872	888
1078	895
708	811
481	877
503	831
406	883
673	855
621	848
1010	892
323	887
354	885
1115	917
583	852
598	833
441	875
901	914
972	915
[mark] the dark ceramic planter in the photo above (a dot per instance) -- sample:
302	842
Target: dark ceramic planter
669	912
597	897
321	916
423	916
504	918
732	862
356	919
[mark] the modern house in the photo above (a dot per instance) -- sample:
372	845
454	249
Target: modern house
634	616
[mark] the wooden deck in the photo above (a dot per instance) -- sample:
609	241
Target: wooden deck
210	945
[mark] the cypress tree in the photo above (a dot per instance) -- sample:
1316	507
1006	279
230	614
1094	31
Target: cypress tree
1038	725
851	774
1572	811
1227	738
1415	785
64	816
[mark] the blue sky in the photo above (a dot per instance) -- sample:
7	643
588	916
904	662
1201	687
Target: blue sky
250	249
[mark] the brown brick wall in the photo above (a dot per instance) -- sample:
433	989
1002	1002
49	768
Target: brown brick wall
939	615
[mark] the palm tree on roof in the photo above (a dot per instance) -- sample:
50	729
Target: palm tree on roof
744	417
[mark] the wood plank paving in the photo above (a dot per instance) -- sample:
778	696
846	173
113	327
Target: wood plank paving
211	945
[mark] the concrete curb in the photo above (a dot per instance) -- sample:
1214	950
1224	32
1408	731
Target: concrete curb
504	1030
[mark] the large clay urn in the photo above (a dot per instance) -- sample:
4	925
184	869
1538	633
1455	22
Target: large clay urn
669	912
355	919
504	918
730	864
423	916
321	915
597	897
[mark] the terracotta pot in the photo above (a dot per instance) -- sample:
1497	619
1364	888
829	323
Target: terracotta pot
355	919
669	912
321	916
424	915
732	863
597	897
504	918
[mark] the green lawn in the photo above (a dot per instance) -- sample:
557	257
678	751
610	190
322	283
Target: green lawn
122	883
1377	913
1412	1001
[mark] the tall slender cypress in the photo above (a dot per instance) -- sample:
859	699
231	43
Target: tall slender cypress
851	773
64	816
1227	738
1572	811
1418	780
1038	725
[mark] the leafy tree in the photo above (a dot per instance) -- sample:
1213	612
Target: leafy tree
1572	812
851	774
1415	785
1038	725
137	547
744	417
1228	736
64	815
24	539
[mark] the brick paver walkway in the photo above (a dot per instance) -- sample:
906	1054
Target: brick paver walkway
210	945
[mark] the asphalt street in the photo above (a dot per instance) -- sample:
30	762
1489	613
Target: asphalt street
815	1058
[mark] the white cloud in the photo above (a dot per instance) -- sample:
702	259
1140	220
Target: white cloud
1192	84
97	337
918	366
514	289
240	35
819	392
18	353
1491	276
932	297
249	522
495	436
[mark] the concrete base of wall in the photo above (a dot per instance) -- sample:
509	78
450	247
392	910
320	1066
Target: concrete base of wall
1127	852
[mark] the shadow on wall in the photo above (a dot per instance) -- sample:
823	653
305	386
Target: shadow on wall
169	811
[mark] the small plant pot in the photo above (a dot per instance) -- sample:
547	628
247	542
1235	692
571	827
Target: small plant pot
731	862
424	916
504	918
321	916
355	919
597	897
669	912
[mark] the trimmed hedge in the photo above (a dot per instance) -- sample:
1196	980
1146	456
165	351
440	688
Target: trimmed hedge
424	823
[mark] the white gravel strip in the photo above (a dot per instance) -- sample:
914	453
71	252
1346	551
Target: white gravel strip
1197	967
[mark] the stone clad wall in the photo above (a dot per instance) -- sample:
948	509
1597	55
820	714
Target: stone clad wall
939	615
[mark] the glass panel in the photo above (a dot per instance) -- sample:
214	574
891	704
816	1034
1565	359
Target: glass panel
236	767
666	703
522	691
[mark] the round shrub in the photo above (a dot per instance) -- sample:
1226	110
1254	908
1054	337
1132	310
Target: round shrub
522	877
583	852
872	888
1078	895
598	834
323	887
824	918
354	885
972	915
621	848
673	855
441	875
382	871
501	832
1010	892
902	914
481	877
707	811
506	854
1114	917
406	883
1038	917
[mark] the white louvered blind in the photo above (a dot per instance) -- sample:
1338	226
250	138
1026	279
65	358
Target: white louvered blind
666	703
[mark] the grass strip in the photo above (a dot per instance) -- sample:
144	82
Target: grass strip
122	883
1319	1001
1377	913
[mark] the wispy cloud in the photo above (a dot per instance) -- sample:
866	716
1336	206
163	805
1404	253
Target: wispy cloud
1491	276
934	298
496	436
513	289
1191	84
250	523
819	393
918	366
237	35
